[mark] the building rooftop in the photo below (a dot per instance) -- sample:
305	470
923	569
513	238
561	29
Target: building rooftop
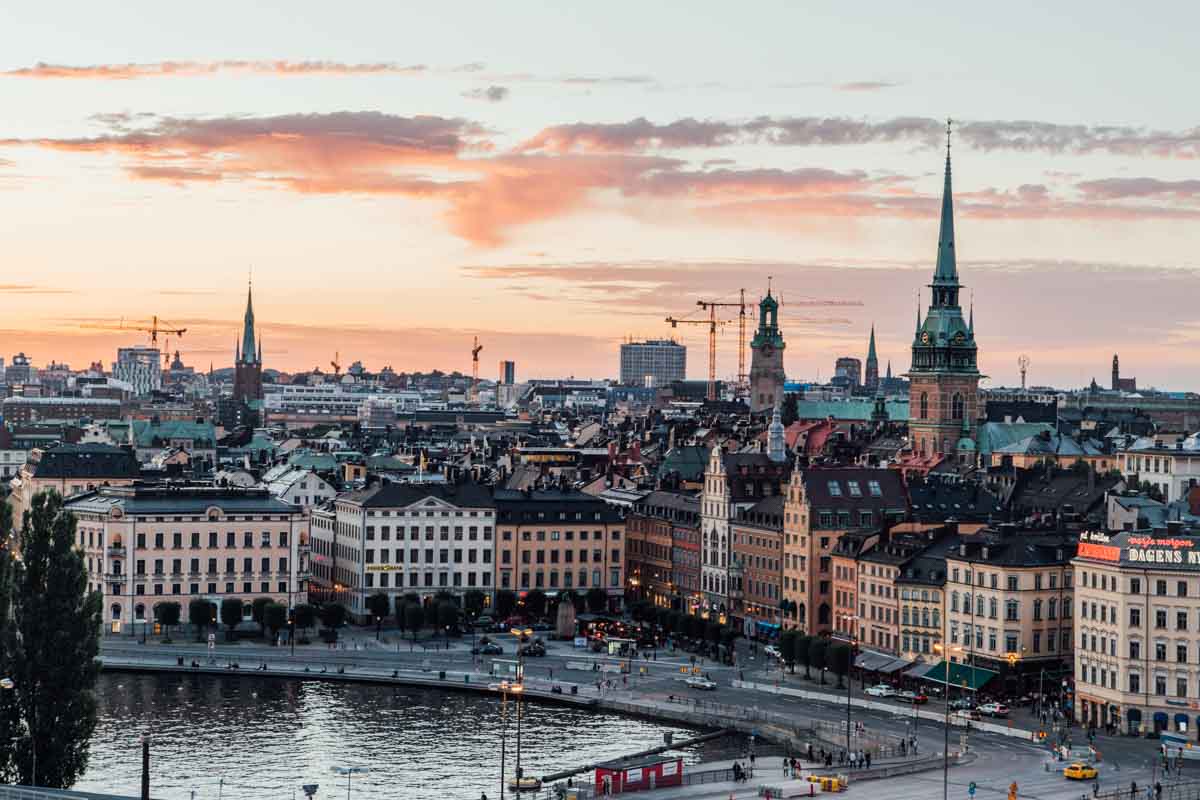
180	500
96	461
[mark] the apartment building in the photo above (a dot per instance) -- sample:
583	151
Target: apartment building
145	545
757	573
558	540
1011	604
654	527
70	469
402	538
1137	654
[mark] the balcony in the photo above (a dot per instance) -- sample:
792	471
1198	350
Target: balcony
115	550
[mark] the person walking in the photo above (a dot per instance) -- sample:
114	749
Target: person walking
868	759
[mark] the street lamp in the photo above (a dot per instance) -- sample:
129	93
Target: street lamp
851	618
348	772
522	635
8	685
945	651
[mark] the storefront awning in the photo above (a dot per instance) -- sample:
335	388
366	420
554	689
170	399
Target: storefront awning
872	661
960	675
918	670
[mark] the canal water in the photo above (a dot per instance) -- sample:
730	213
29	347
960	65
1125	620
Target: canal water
246	738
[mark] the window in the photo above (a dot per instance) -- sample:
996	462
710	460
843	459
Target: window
1135	683
873	488
1181	653
1160	651
1135	586
1181	589
1160	618
1160	685
835	489
1160	588
1181	620
956	406
1012	583
855	490
924	405
1037	610
1010	610
1135	616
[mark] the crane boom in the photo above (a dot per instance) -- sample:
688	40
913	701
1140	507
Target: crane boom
712	322
475	348
743	378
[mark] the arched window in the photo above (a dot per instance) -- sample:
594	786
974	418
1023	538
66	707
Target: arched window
956	406
116	610
801	616
823	614
924	405
139	612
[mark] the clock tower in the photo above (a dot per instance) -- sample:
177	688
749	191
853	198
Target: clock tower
766	359
944	379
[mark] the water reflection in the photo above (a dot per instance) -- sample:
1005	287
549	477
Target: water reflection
247	738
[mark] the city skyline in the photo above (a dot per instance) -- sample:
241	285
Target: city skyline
587	194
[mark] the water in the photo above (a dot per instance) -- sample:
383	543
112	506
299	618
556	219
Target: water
266	737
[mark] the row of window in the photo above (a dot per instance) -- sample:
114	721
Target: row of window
925	617
990	607
194	566
444	532
1012	583
427	578
231	587
248	539
444	556
973	636
568	556
550	580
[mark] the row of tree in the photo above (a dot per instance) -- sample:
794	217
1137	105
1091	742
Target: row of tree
679	623
815	652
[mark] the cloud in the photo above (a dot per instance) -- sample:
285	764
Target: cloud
1125	188
865	86
25	288
186	69
1020	136
492	94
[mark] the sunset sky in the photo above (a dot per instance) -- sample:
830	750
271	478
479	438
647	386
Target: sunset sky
553	178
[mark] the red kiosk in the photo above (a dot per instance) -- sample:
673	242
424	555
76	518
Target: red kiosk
638	774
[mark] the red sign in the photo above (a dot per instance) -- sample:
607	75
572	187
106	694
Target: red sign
1100	552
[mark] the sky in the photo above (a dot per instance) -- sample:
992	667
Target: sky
399	178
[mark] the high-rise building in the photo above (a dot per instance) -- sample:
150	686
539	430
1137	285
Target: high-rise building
247	361
766	360
508	373
871	378
944	389
140	367
849	369
20	371
654	362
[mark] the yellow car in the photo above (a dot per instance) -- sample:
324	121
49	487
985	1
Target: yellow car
1080	772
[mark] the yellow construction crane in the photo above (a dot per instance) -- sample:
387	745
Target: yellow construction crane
475	348
743	377
712	322
154	326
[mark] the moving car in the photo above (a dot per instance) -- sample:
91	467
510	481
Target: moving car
962	704
536	648
994	709
916	698
700	682
772	651
965	716
881	690
489	649
1080	772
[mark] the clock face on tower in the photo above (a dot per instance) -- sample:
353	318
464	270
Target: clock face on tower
925	337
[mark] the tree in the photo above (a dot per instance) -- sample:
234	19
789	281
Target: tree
712	631
258	612
200	615
804	654
473	602
232	611
817	652
378	604
839	660
306	616
787	648
535	603
275	618
168	615
506	601
414	618
333	615
597	600
447	616
50	643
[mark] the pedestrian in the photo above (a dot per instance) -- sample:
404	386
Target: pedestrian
868	759
1157	791
751	760
1133	790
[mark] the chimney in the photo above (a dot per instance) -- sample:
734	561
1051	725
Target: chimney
962	550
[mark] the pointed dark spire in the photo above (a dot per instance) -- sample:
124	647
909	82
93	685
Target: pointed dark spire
971	319
248	349
947	267
918	311
889	369
871	347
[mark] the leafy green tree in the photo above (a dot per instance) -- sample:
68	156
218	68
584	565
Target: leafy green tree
839	660
333	615
818	650
535	603
473	602
804	654
168	616
414	618
200	615
275	618
232	611
258	612
447	615
506	603
50	641
378	604
306	616
787	648
597	600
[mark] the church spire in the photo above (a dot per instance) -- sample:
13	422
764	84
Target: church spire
871	347
946	273
249	351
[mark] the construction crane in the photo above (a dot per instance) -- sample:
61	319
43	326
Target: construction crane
743	377
336	364
156	326
475	348
712	322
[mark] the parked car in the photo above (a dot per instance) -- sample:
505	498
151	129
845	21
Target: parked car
994	710
962	704
489	649
965	716
536	649
700	682
916	698
881	690
772	651
1080	772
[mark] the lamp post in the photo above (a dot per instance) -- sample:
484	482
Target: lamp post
8	684
945	651
504	687
348	772
850	640
522	635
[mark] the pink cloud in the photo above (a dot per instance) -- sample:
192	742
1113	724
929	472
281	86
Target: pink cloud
185	69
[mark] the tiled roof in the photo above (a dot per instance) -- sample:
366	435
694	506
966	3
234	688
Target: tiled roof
400	495
86	461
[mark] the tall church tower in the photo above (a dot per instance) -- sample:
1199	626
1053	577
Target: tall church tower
247	360
871	382
944	389
1116	376
766	359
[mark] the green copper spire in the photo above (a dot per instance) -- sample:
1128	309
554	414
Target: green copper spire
871	347
249	351
947	268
